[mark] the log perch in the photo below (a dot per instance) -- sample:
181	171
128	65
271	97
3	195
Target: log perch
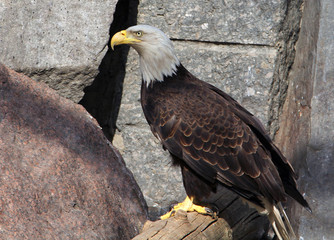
236	221
183	225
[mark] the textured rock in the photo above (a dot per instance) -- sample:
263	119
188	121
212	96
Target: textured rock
285	58
250	22
58	42
60	177
102	98
245	72
319	168
306	124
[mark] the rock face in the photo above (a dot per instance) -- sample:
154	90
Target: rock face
306	125
57	42
102	98
235	54
244	22
60	177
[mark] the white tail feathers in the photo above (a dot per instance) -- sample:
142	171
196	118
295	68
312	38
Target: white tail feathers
280	226
283	229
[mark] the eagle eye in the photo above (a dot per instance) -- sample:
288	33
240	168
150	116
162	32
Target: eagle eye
139	33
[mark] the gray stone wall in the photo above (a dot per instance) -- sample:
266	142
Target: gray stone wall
244	22
306	134
306	123
57	42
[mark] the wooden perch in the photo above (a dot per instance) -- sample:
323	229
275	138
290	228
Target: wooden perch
236	221
183	225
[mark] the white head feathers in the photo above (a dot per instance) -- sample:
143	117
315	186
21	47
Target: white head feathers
156	53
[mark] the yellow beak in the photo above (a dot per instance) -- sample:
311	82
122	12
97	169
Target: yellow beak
122	38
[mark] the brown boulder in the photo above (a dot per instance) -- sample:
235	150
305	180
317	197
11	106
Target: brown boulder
60	178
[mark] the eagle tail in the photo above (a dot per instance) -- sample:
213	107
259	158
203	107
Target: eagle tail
280	226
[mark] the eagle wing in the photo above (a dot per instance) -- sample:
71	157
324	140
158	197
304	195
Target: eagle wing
210	134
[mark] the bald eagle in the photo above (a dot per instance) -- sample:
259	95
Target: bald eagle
216	142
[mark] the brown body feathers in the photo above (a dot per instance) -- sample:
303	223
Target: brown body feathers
209	133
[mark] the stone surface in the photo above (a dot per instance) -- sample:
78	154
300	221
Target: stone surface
245	72
306	124
246	22
60	177
58	42
319	169
287	39
102	98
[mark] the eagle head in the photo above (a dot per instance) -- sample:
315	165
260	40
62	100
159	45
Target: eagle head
156	52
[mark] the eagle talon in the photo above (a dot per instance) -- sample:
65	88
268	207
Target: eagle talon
212	212
209	211
188	206
167	215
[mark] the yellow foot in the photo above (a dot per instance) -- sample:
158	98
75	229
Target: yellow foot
188	206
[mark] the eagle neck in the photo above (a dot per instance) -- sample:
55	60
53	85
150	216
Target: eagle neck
155	65
179	74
